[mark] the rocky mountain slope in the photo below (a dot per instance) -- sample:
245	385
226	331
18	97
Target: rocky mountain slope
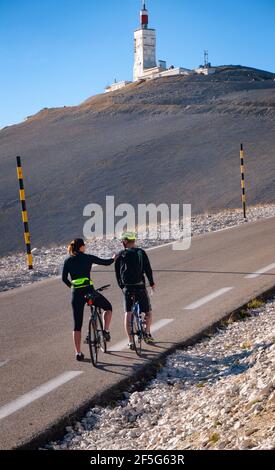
172	140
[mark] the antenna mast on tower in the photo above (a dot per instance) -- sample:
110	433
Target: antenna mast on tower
206	59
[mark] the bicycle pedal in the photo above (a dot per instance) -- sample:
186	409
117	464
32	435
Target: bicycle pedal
86	341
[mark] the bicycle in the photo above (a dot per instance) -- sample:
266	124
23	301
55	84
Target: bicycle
138	326
95	337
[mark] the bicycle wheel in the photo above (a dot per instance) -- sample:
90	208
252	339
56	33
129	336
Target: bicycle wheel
102	340
93	341
136	333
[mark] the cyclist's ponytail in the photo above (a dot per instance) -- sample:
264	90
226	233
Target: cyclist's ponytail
75	245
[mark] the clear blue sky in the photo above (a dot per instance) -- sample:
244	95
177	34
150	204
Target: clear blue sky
59	52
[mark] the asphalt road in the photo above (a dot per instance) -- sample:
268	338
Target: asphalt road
40	379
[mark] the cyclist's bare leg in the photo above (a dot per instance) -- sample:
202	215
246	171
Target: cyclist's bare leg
107	317
77	341
149	320
127	324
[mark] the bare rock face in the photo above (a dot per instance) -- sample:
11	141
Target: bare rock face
172	140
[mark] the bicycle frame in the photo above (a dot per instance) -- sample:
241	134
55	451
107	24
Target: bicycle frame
137	332
136	311
95	336
94	313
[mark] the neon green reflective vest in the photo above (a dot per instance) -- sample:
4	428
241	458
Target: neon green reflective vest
82	282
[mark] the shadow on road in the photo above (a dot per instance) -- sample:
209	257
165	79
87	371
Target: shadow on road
147	355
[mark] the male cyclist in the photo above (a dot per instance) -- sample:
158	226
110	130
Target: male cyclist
131	265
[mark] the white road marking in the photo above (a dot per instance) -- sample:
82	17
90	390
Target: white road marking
208	298
155	327
3	363
36	393
160	246
261	271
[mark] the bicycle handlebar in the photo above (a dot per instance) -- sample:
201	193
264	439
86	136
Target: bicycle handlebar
90	297
103	288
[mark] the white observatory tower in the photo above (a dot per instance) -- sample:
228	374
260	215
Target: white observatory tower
145	46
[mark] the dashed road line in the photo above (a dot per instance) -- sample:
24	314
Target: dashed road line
208	298
155	327
261	271
36	393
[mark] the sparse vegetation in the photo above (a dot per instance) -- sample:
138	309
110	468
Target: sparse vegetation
214	438
246	345
244	314
200	385
255	303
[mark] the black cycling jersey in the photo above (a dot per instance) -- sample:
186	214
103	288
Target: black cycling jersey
146	268
80	265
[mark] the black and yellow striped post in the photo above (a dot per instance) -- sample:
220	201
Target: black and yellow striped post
243	181
24	213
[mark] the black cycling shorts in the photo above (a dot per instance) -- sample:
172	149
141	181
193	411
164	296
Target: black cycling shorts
78	304
141	296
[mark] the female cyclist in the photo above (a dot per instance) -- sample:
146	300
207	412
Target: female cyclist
78	265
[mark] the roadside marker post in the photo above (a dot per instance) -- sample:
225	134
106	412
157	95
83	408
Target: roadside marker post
243	181
24	213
